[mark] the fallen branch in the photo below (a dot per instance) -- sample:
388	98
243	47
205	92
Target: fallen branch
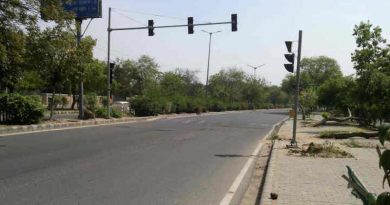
346	135
335	119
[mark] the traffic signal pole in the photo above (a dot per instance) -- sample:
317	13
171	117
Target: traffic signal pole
151	28
81	85
108	65
296	99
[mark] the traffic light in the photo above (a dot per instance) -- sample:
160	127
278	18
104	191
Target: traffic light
290	57
150	27
112	66
190	21
288	45
234	22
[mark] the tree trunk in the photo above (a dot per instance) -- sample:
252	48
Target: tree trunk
303	112
52	105
74	100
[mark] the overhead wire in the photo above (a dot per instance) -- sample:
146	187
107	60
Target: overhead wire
158	15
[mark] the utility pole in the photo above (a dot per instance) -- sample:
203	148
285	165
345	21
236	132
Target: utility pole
108	65
208	63
79	21
255	68
296	100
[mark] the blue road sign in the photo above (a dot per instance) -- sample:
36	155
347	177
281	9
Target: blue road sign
84	8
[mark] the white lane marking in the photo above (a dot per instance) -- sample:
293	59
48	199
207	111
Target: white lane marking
236	183
233	188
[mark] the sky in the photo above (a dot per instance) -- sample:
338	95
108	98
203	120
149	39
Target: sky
263	26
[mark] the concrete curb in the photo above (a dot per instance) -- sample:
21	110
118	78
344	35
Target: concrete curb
254	196
67	125
235	196
270	166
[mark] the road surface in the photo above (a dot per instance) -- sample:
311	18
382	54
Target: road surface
191	160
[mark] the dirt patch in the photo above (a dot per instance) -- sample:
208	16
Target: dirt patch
324	150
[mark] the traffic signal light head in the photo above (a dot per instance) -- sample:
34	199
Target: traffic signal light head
190	21
151	28
234	22
289	67
288	45
112	66
290	57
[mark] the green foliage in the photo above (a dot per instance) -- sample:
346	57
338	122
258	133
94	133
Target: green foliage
116	114
370	61
101	112
384	133
383	199
91	102
337	93
325	115
21	109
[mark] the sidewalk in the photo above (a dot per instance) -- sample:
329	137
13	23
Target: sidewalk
309	180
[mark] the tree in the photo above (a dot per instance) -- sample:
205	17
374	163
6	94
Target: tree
52	53
134	77
372	64
320	69
337	93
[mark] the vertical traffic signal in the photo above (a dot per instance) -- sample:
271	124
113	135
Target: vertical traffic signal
288	45
234	22
190	21
112	66
290	57
150	27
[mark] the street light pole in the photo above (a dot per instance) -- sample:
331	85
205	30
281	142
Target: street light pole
255	68
208	61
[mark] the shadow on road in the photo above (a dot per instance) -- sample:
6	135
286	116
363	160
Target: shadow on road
233	155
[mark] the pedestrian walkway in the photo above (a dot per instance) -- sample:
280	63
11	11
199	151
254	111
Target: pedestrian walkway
309	180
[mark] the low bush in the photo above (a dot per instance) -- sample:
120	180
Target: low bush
101	112
21	109
116	114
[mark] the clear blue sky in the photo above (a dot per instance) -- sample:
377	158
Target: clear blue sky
263	27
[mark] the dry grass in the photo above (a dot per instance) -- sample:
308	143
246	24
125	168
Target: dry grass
325	150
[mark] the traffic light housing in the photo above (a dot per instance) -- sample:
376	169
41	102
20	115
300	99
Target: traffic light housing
150	27
288	45
290	57
112	66
289	67
234	22
190	21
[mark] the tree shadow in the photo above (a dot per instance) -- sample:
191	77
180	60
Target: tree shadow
233	155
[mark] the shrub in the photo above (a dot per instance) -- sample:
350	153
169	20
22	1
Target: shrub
325	115
91	102
21	109
101	112
116	114
145	106
217	106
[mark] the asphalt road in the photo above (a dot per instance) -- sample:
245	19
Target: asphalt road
191	160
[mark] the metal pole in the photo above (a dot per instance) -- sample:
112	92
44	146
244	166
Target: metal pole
254	73
294	141
208	68
81	85
108	64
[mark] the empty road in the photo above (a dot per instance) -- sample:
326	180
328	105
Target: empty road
190	160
